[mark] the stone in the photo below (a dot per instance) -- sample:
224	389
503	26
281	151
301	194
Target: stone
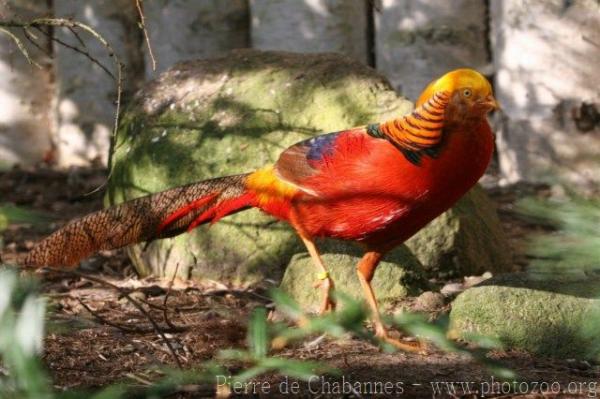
549	128
399	275
311	26
549	314
229	115
429	301
466	240
452	289
417	41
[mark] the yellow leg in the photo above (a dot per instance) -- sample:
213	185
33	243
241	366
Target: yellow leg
366	268
325	282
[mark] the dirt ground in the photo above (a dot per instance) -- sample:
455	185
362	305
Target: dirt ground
97	337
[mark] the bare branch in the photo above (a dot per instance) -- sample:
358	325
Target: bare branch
79	39
72	25
84	53
165	309
31	38
20	46
103	320
135	303
138	4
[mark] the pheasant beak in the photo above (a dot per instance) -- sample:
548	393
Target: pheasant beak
490	103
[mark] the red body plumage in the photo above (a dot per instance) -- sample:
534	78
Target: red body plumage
366	190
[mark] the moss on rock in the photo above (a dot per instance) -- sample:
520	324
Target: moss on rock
554	315
399	275
466	240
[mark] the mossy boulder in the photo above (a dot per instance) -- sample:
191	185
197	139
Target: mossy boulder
549	314
466	240
399	275
234	114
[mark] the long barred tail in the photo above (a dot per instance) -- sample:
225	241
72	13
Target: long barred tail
159	215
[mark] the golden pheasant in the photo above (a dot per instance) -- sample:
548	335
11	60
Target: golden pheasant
376	185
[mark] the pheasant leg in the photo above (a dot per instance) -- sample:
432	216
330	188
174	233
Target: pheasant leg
324	280
365	269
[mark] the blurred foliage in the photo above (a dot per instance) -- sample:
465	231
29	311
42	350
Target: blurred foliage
436	333
22	329
21	333
573	244
10	213
570	248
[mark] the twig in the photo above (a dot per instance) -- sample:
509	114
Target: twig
233	292
176	308
138	4
315	341
103	320
165	309
139	379
135	303
31	39
20	46
74	32
84	53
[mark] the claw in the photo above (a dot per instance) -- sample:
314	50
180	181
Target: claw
328	303
418	347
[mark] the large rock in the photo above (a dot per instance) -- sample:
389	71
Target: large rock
549	314
466	240
399	275
234	114
230	115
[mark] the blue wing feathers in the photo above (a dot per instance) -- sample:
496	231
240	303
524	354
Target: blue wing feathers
320	146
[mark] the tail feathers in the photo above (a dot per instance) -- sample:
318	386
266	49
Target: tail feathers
185	210
159	215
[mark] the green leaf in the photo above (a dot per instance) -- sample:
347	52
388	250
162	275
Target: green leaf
500	371
483	341
302	370
29	329
285	303
258	335
250	373
8	280
418	325
4	222
112	392
235	354
16	214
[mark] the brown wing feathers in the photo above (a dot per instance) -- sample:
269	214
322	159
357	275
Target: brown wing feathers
134	221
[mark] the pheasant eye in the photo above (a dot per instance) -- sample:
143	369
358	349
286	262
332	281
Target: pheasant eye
467	92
